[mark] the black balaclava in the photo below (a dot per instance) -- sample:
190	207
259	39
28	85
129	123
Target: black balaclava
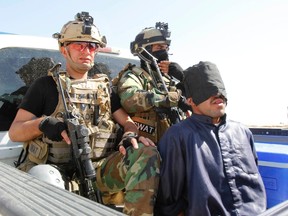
203	80
161	55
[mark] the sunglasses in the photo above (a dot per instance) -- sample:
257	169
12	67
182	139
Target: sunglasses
81	46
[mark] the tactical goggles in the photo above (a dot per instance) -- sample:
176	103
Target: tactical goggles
81	46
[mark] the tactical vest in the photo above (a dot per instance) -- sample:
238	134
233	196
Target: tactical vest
149	123
89	100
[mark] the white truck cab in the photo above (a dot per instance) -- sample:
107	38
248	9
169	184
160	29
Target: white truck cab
22	60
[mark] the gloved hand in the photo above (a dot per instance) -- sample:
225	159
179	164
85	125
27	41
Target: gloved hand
52	128
169	100
126	139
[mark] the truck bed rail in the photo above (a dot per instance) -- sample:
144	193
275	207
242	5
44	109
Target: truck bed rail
23	194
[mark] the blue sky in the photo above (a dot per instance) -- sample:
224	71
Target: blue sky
246	39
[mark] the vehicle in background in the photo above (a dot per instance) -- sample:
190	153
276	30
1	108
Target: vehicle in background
272	150
25	58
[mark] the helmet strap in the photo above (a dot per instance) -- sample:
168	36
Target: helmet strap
83	68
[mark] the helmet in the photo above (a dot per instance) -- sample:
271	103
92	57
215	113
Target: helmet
47	173
149	36
81	29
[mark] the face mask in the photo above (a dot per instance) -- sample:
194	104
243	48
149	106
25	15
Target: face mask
161	55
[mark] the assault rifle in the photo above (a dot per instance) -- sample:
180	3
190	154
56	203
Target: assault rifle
80	148
173	112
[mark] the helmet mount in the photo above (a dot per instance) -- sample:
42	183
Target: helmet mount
163	27
87	22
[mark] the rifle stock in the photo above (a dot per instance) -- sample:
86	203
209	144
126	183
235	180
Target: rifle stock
80	148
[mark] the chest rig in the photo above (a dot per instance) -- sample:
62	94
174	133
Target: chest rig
89	101
150	124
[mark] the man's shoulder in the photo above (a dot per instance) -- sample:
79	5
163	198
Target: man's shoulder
44	81
43	84
183	127
235	123
239	126
132	71
130	75
137	70
122	75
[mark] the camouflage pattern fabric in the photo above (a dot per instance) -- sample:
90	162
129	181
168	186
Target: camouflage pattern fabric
144	102
137	172
133	99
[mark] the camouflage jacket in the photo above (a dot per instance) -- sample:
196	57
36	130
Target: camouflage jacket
139	92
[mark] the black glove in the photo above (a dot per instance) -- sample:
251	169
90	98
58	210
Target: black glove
52	128
126	139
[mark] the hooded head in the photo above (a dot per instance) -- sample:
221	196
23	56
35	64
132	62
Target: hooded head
203	81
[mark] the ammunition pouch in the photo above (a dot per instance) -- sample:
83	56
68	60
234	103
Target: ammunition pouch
37	151
34	152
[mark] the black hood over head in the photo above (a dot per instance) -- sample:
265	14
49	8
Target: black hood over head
203	80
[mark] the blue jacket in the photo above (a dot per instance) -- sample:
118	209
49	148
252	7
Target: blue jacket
209	170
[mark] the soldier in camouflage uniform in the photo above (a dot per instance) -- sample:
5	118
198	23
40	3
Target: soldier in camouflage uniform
132	165
148	93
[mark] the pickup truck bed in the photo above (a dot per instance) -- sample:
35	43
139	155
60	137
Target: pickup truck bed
23	194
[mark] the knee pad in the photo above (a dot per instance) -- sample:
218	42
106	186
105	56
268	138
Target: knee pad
48	173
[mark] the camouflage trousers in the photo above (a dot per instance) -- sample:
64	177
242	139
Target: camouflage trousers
137	173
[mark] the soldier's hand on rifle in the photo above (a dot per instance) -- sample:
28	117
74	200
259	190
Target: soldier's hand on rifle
54	129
